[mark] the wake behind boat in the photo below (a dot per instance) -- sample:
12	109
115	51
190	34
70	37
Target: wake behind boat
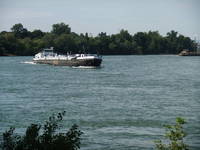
47	56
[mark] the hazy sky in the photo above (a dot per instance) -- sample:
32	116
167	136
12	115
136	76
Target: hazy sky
94	16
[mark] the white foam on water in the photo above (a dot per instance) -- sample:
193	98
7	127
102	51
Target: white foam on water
28	62
85	67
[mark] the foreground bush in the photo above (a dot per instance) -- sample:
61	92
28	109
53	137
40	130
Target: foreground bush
174	135
43	137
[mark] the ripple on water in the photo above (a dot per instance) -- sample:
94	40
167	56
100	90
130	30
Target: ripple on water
122	105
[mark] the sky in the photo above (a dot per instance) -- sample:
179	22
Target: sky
110	16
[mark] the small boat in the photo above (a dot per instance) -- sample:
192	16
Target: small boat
47	56
189	53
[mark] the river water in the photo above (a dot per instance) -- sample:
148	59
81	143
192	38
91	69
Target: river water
121	106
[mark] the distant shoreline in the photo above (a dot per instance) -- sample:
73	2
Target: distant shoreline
22	42
12	55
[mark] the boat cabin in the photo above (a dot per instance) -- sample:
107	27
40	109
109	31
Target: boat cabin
48	52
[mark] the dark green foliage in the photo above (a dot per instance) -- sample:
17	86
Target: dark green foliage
8	139
23	42
37	34
17	29
44	137
61	28
175	135
20	31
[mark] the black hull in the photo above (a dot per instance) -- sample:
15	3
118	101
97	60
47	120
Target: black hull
73	62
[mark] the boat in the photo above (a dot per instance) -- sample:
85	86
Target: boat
48	56
189	53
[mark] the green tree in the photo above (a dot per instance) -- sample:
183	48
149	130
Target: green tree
17	28
124	35
142	40
172	41
20	31
23	42
37	34
155	45
103	41
9	43
61	28
46	137
175	135
48	40
27	47
65	43
2	45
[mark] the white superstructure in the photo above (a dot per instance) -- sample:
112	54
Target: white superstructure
48	54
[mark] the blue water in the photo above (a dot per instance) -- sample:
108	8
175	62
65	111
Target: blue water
122	105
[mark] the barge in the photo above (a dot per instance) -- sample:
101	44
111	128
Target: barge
48	56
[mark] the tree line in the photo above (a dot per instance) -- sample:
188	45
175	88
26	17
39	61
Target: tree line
20	41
